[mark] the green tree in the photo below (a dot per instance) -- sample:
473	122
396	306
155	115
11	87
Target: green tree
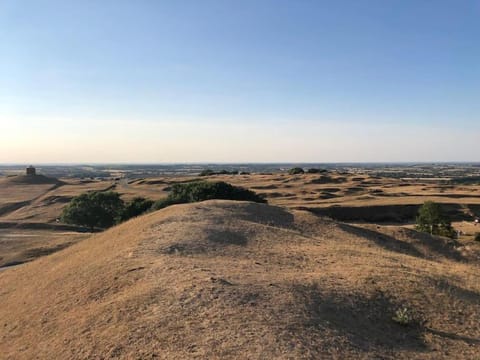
204	190
94	209
207	172
431	220
136	207
315	171
296	170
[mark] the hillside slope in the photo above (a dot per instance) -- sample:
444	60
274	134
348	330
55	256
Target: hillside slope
223	279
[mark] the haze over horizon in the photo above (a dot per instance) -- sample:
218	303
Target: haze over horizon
228	81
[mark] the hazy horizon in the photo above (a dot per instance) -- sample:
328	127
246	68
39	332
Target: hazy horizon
266	81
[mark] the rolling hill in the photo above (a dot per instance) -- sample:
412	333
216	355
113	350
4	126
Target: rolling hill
229	280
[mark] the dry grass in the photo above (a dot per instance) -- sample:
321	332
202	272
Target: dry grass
223	279
22	245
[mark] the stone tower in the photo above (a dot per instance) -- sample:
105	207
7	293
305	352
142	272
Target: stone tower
31	171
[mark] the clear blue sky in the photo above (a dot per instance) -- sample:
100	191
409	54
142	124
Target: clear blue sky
262	80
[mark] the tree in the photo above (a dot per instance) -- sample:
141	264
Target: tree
135	208
431	220
207	172
296	170
94	209
315	171
204	190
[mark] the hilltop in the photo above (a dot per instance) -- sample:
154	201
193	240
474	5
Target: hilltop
30	180
224	279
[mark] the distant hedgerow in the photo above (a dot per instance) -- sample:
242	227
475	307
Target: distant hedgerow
204	190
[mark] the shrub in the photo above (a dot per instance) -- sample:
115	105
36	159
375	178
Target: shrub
402	316
477	236
136	207
296	170
431	220
94	209
315	171
203	190
207	172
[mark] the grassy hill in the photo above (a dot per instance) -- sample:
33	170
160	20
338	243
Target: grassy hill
30	180
223	279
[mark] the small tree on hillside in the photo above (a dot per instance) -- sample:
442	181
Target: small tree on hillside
431	220
94	209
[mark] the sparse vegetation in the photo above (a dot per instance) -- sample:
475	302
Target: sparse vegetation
203	190
296	171
431	220
207	172
402	316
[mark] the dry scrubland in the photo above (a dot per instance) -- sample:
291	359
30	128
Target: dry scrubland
222	279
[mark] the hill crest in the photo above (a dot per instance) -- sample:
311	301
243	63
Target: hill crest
225	279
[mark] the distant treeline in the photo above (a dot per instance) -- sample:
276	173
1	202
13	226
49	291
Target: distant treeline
209	172
466	180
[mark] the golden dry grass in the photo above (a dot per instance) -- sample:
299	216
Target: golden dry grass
229	280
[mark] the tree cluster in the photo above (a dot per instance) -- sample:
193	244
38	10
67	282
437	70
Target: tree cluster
102	209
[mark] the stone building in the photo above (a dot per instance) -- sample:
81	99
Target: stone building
31	171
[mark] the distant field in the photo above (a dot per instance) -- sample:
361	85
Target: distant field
343	196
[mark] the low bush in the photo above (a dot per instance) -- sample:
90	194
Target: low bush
203	190
296	171
136	207
207	172
316	171
477	236
402	316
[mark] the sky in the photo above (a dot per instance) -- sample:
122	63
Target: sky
151	81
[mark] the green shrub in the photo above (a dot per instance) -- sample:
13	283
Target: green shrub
477	236
207	172
136	207
94	209
431	220
296	171
203	190
315	171
402	316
